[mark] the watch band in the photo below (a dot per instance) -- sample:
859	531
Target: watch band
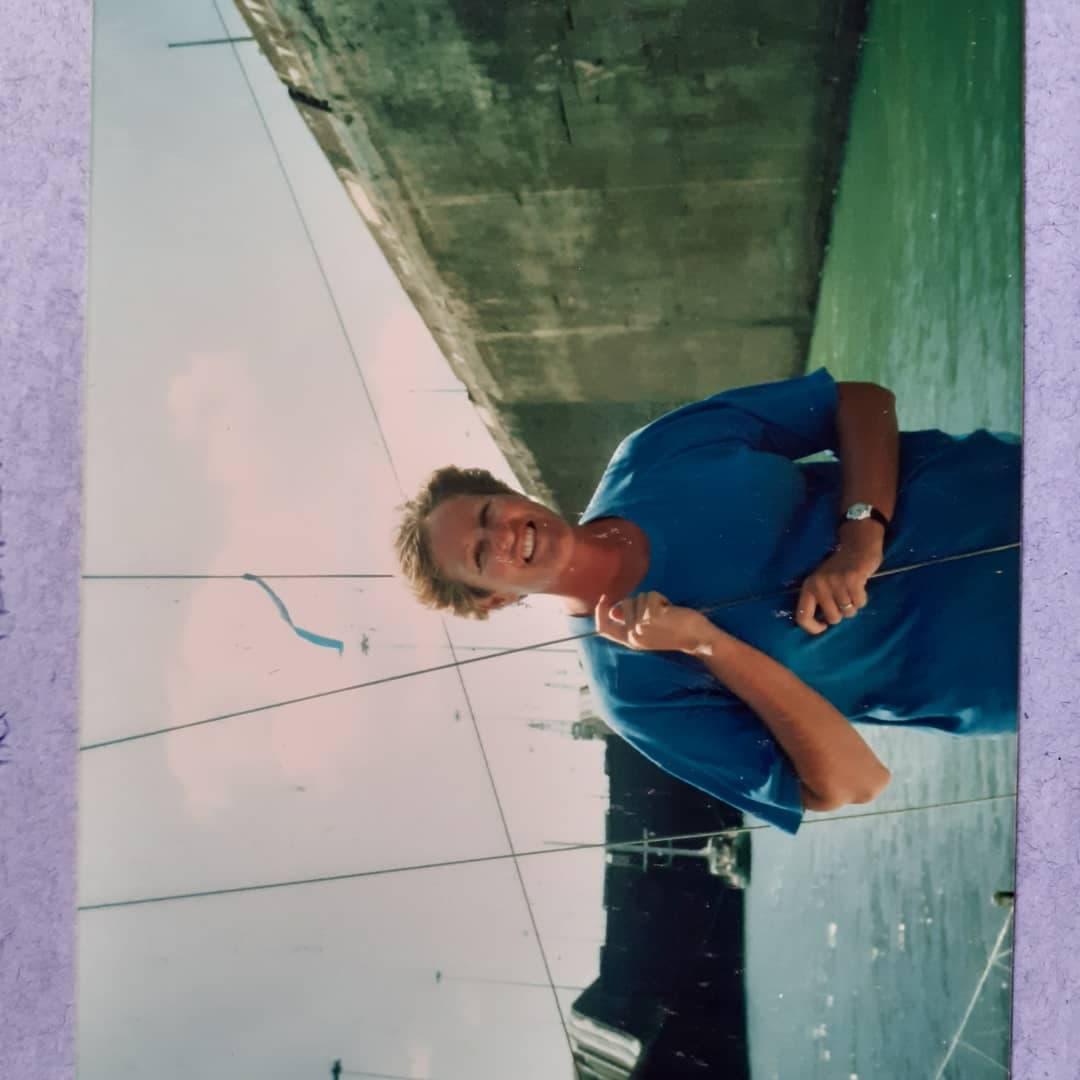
864	511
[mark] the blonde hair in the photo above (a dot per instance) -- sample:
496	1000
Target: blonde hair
413	546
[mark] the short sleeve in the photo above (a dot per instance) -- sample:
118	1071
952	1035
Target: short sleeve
718	745
794	418
683	721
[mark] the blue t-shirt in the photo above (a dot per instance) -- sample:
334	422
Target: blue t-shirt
730	512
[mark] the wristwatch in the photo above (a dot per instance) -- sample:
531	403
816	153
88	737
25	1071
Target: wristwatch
861	511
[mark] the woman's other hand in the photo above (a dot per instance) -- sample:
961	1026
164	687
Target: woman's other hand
837	588
649	622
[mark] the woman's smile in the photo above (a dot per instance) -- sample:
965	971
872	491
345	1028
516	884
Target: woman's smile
516	546
528	544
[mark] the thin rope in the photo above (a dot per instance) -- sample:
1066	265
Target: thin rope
548	973
378	1076
381	681
984	1055
459	663
397	479
975	996
207	41
652	841
506	982
362	577
235	577
938	561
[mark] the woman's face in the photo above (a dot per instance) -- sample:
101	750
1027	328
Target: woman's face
506	544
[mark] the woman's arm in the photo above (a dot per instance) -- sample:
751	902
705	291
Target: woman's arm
869	446
834	764
870	463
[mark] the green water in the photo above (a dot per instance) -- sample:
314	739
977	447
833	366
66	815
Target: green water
874	948
922	283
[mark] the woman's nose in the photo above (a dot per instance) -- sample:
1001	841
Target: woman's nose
500	536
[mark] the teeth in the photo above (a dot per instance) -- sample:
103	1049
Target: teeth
530	542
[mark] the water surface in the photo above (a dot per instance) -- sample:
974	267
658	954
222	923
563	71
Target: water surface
874	947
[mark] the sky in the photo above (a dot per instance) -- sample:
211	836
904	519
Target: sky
244	334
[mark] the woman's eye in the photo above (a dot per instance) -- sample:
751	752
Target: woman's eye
483	525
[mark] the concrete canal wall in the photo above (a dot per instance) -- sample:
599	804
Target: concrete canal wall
600	210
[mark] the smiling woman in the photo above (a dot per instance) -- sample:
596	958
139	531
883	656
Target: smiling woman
713	503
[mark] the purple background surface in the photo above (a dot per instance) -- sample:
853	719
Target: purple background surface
44	162
1046	970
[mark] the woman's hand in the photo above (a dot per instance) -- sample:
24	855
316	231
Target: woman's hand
838	586
649	622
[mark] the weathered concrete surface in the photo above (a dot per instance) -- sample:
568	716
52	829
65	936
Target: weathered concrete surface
599	209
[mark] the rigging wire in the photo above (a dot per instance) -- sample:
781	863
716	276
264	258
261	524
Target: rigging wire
474	860
397	478
956	1039
375	1075
456	663
234	577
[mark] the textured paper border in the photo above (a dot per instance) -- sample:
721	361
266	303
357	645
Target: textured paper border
1046	967
44	164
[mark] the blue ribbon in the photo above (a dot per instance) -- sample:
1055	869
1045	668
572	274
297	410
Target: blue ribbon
307	635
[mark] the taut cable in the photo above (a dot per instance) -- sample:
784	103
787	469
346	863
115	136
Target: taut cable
383	680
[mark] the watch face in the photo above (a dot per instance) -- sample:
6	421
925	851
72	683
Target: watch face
858	511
